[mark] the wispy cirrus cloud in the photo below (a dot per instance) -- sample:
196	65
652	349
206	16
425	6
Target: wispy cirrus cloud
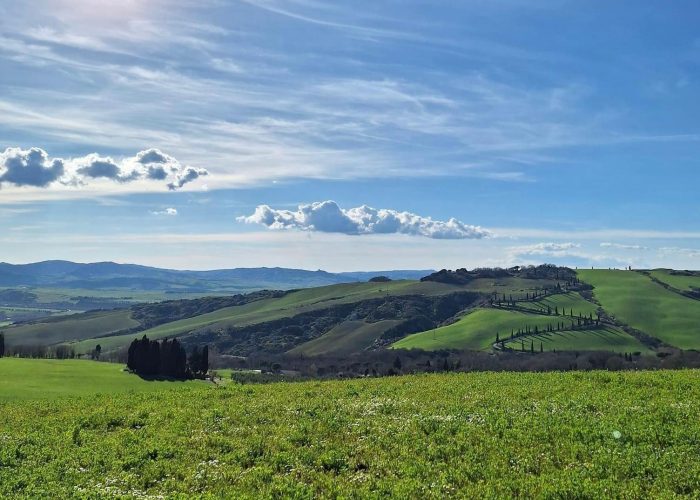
547	249
623	246
261	114
692	253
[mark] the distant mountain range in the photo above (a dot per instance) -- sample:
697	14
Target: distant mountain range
111	276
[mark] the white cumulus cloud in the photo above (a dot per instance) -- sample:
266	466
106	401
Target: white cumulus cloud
30	167
186	176
33	167
167	211
328	217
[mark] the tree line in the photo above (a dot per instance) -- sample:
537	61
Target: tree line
397	361
581	323
167	358
35	351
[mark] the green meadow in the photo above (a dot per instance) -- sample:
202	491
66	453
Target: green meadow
469	435
634	299
679	281
605	338
477	331
31	379
69	328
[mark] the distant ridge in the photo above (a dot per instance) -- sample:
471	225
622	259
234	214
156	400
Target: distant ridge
110	275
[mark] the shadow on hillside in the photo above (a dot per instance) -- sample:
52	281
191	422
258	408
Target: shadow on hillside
157	378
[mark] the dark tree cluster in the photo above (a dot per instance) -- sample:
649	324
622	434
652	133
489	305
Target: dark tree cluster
167	358
510	301
545	271
463	276
199	361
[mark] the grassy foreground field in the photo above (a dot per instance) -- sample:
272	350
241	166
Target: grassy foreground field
555	435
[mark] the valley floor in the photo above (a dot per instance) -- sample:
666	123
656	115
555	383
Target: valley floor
576	434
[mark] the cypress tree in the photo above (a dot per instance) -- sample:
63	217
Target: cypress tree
180	360
130	355
2	344
153	358
194	360
204	360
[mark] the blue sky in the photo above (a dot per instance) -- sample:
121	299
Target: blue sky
475	133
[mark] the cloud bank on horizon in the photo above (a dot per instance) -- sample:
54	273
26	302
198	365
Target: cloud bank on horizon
328	217
34	168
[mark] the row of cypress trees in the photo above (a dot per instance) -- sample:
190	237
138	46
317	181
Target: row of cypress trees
167	358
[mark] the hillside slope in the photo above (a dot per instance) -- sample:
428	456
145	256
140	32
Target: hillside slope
546	308
636	300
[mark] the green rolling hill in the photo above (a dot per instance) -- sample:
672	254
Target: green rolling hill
608	338
687	282
634	299
266	310
70	328
346	338
449	310
477	329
